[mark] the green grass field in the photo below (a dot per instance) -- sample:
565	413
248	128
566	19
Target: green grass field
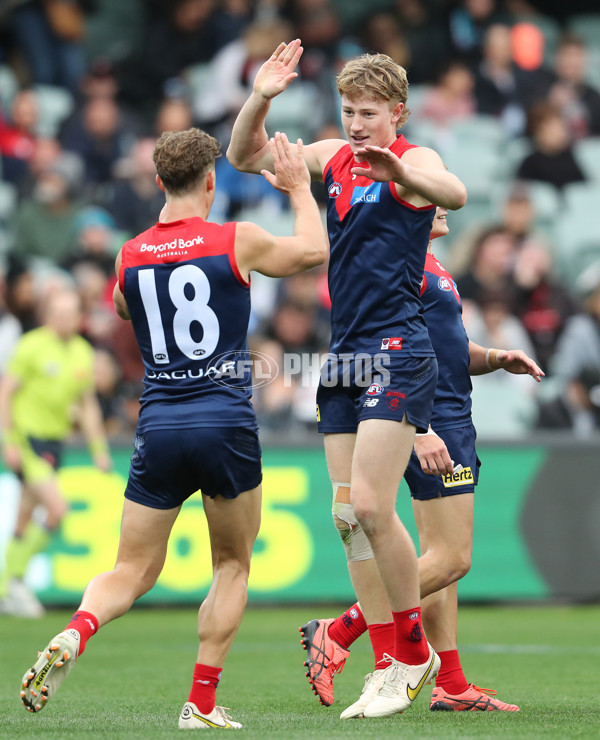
135	676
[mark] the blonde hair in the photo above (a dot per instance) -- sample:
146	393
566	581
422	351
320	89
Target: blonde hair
375	77
183	158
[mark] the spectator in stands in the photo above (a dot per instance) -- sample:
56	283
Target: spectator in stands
50	35
180	35
10	328
95	292
46	153
99	138
552	160
18	135
427	38
495	325
469	22
542	304
566	88
231	20
174	114
136	200
383	33
501	86
45	221
95	241
577	365
493	257
317	23
452	97
233	69
518	214
20	294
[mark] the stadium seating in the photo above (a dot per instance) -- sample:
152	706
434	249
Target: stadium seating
587	153
278	222
8	87
115	30
55	105
502	408
8	202
576	234
587	26
479	131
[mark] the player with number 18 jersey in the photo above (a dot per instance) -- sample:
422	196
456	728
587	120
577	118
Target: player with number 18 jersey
189	308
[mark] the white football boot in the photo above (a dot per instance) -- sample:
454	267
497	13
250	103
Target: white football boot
191	718
53	665
372	685
401	685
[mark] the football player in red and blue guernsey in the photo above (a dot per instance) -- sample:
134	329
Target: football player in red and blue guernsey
442	474
184	283
381	190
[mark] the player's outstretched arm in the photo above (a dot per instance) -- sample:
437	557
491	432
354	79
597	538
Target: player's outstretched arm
249	149
433	454
420	172
514	361
278	256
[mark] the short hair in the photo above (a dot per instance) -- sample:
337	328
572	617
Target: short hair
183	158
375	77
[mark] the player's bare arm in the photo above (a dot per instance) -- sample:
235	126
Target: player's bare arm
420	176
249	149
11	453
433	454
93	428
514	361
118	297
256	249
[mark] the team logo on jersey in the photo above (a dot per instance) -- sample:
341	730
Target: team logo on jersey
395	400
335	189
375	389
370	194
370	403
444	283
460	478
394	343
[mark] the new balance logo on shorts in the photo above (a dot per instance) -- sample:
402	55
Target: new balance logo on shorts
460	478
394	343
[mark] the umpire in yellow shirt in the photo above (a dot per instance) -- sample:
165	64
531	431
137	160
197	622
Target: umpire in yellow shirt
48	386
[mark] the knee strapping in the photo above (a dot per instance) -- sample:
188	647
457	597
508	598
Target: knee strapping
353	537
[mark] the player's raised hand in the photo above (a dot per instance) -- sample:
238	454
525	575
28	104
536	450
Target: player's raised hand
278	71
517	362
383	165
291	172
433	454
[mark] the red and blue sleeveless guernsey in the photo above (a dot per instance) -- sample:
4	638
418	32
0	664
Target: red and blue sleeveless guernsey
189	307
443	313
378	244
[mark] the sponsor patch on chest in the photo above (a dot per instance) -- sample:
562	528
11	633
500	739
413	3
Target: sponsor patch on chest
369	194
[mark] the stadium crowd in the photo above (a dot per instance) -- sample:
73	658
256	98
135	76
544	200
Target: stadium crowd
508	94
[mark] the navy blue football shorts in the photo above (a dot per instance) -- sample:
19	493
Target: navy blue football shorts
461	447
169	465
406	391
